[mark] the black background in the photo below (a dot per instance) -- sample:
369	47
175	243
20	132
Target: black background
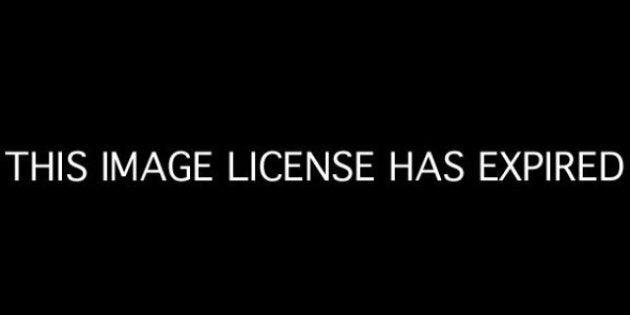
315	81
